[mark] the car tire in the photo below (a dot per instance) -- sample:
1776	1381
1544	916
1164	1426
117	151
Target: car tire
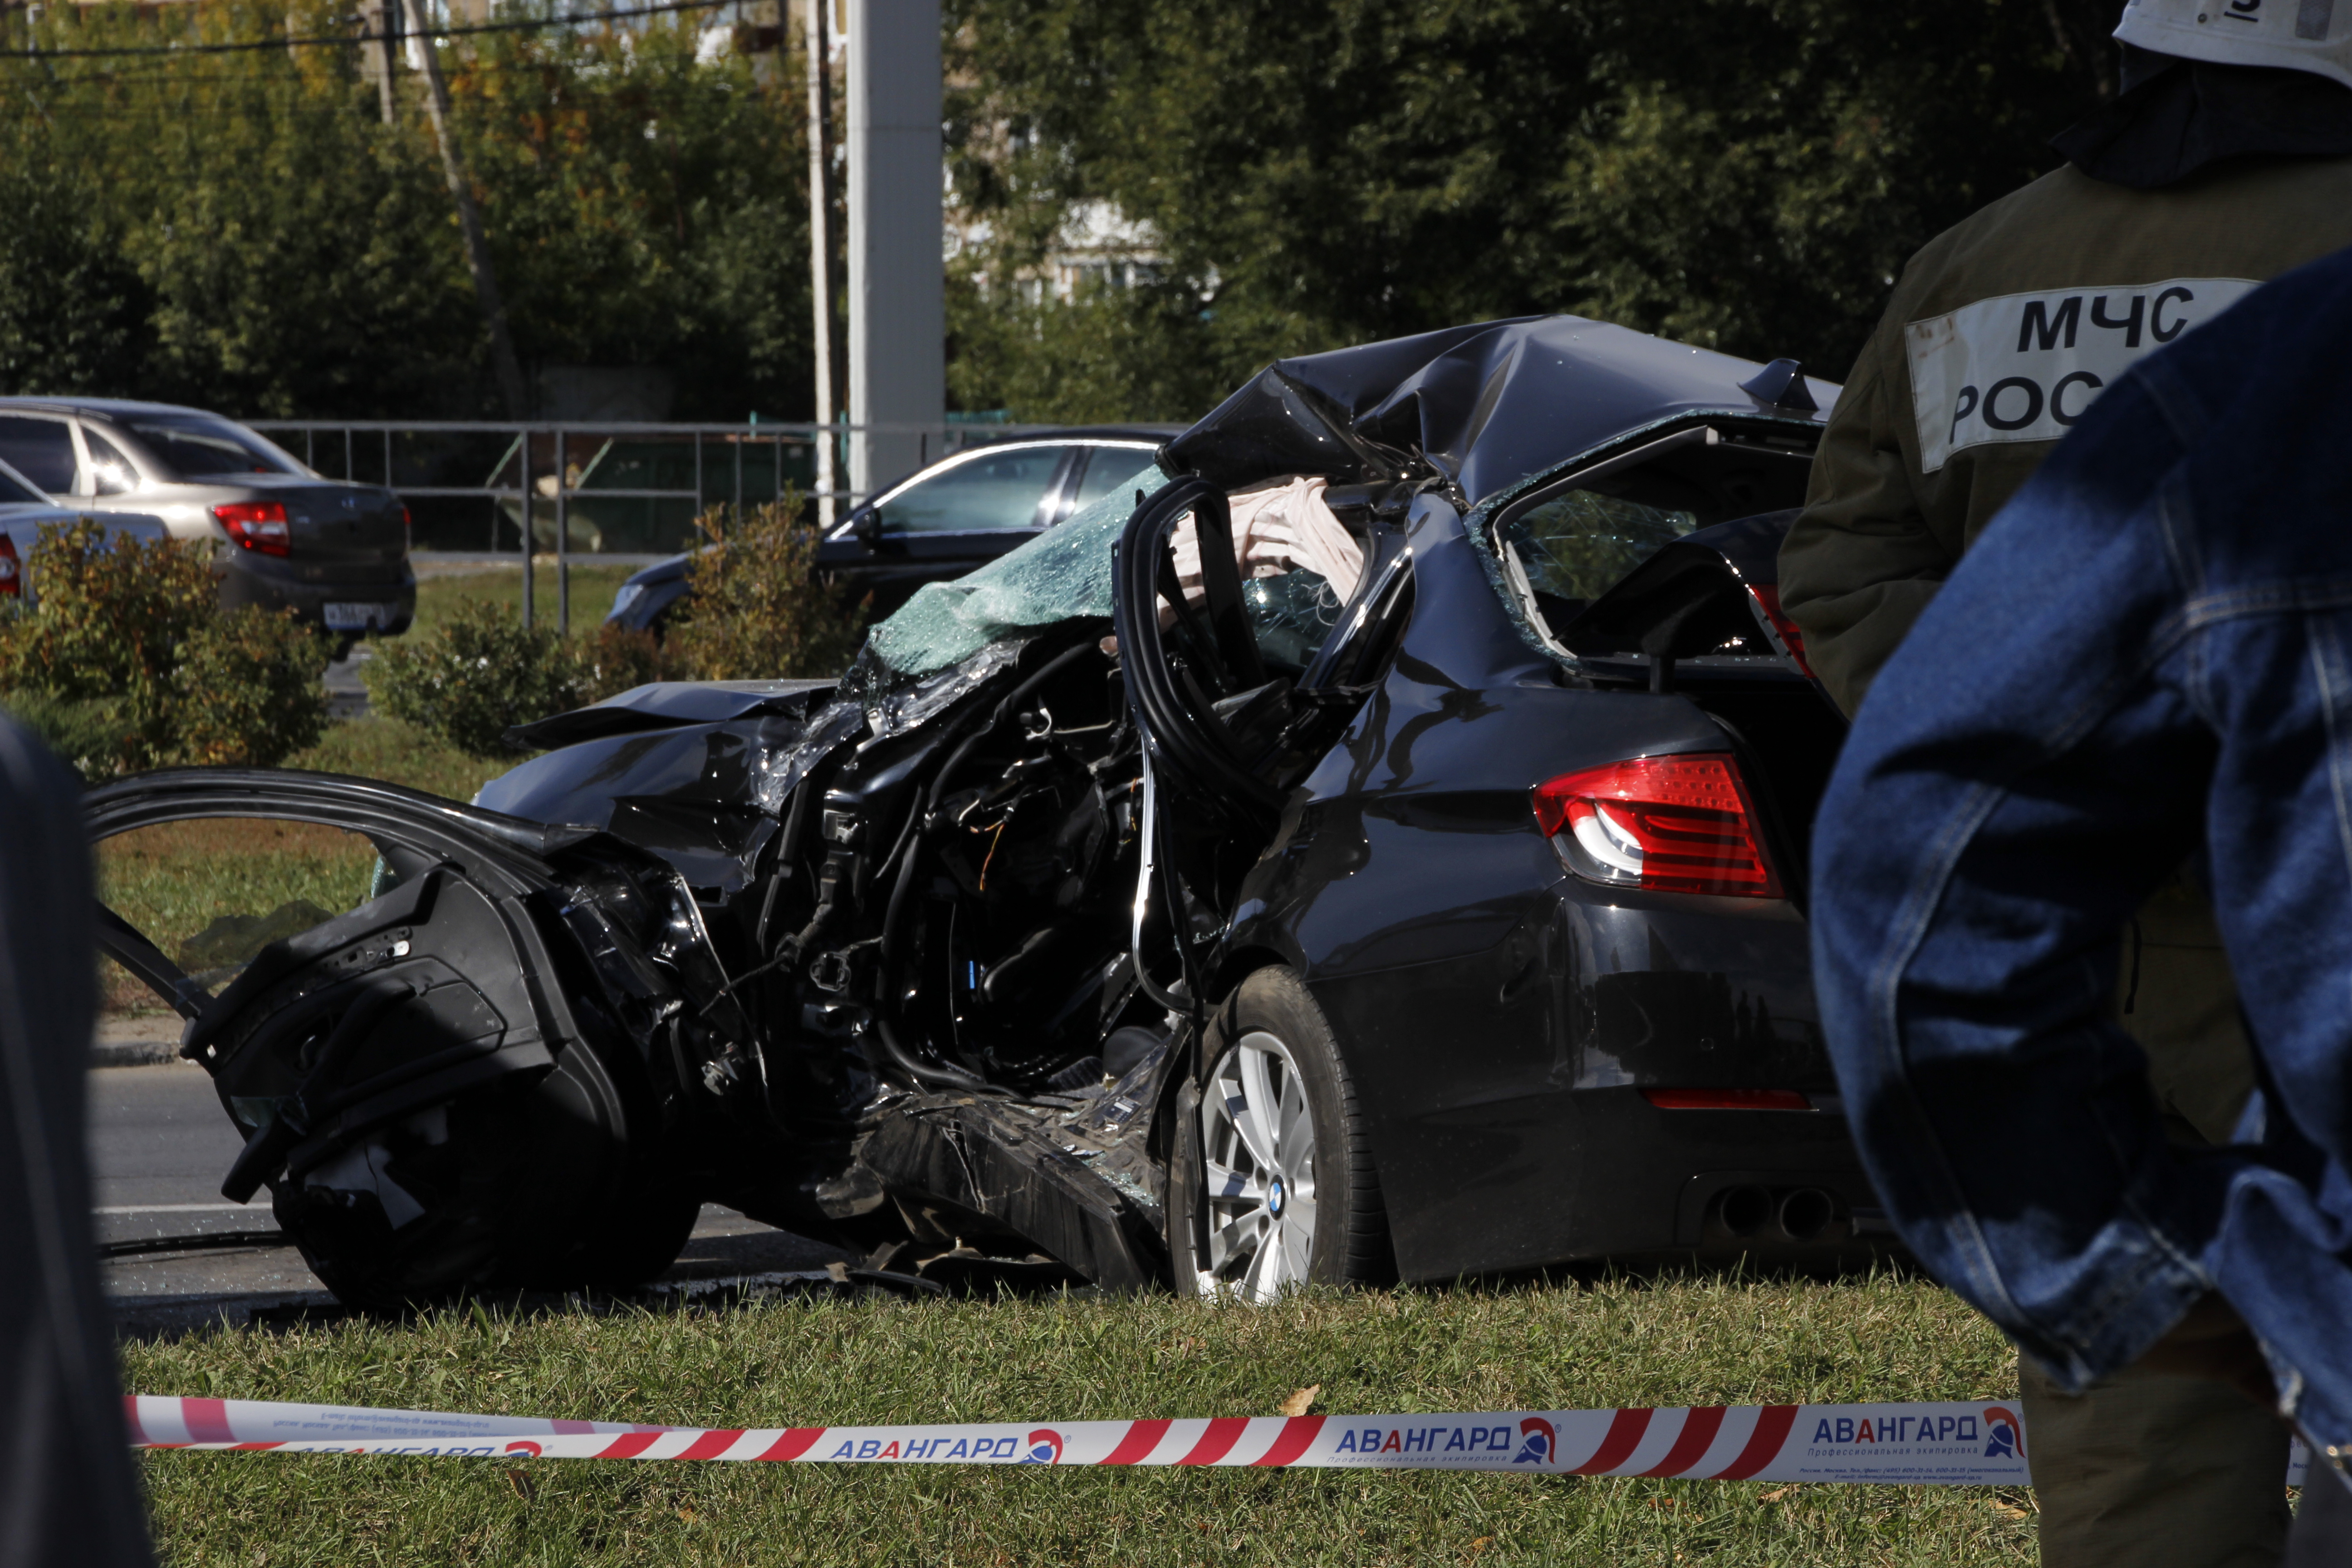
1248	1220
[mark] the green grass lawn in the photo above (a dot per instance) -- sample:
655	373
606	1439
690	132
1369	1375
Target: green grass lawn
1682	1340
379	748
592	588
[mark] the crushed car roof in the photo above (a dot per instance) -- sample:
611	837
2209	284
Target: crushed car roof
1486	404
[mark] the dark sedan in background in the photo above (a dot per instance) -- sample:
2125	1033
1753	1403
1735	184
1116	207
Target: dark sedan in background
334	552
943	521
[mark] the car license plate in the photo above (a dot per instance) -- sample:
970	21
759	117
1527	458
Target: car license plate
348	617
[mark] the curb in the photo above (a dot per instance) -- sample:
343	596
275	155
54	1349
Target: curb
133	1053
136	1042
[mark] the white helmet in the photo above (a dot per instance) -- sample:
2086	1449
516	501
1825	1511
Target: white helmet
2298	34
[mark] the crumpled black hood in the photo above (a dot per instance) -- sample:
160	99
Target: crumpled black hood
1485	404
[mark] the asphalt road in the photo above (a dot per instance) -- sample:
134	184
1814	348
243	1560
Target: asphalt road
347	697
159	1143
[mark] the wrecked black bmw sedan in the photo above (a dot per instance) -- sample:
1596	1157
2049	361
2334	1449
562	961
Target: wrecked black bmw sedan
1369	844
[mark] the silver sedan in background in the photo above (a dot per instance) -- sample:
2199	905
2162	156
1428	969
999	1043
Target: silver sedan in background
334	552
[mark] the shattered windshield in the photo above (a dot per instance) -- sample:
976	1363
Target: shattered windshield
1062	574
1299	564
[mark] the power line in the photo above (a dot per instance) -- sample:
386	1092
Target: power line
347	39
137	76
278	93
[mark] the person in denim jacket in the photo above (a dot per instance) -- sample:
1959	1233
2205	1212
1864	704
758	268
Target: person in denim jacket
2146	658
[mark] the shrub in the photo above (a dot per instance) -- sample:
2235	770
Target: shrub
612	659
483	673
128	662
247	690
756	608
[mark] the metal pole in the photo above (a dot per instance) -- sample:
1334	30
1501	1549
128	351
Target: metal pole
562	527
697	474
526	526
820	181
736	441
896	287
469	217
386	63
350	468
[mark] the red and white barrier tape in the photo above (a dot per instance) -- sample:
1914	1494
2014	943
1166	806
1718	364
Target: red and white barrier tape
1951	1444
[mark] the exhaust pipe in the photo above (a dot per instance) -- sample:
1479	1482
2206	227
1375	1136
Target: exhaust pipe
1806	1213
1744	1210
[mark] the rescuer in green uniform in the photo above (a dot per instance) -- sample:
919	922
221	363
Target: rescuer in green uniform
2226	160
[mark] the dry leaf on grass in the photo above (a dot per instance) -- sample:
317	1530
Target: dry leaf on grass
1776	1494
2007	1513
1299	1403
520	1483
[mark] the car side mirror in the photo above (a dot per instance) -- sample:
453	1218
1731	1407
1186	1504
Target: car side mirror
867	528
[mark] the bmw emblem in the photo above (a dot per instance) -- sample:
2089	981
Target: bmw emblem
1274	1198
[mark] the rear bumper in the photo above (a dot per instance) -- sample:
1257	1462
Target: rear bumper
282	585
1780	1187
1502	1089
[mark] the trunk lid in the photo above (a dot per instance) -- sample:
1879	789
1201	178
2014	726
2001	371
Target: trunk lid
332	523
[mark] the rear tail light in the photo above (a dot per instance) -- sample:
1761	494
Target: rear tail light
1678	824
12	570
1726	1099
259	525
407	531
1792	639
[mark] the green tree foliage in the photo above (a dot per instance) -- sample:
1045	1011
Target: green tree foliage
1747	174
647	208
127	662
242	230
73	309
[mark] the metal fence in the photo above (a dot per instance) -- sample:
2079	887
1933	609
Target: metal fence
584	491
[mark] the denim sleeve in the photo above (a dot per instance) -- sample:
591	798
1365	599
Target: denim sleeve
2025	771
2149	652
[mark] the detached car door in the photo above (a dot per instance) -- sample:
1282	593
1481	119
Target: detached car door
445	1035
